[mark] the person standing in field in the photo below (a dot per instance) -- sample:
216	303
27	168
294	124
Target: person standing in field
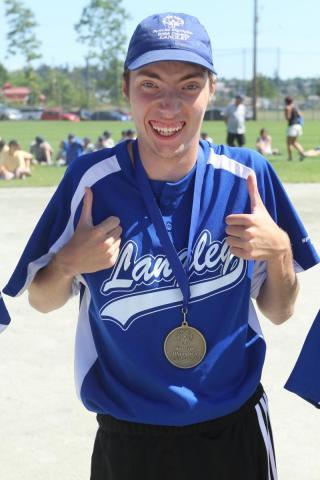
168	238
294	130
235	117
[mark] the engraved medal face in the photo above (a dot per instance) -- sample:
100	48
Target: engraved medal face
185	347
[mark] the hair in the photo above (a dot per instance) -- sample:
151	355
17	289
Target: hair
263	130
288	100
130	132
13	143
126	78
2	143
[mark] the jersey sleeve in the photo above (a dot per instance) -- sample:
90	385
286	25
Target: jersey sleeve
285	215
304	379
53	231
4	315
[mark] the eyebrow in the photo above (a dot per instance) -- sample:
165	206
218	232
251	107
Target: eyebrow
149	73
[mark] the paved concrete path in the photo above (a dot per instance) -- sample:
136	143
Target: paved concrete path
46	434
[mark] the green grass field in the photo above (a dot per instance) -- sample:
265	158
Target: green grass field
54	132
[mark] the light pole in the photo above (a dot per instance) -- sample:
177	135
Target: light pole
87	82
254	79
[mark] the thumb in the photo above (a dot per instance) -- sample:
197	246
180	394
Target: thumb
86	212
255	199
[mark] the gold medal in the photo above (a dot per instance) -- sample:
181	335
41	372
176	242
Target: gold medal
185	347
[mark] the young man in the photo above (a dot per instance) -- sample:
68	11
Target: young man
166	237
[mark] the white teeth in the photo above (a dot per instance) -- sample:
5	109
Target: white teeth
166	131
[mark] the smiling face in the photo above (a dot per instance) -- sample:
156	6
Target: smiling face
168	101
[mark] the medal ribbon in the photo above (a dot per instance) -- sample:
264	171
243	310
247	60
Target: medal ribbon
180	273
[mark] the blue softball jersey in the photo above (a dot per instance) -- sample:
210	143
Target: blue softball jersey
127	311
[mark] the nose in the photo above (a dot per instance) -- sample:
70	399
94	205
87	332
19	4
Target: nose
169	103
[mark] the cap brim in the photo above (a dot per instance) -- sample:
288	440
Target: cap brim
169	55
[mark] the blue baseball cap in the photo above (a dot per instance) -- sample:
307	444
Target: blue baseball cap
169	36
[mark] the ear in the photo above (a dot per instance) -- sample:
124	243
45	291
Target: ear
124	89
212	86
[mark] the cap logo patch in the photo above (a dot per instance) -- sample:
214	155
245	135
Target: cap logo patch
172	30
172	22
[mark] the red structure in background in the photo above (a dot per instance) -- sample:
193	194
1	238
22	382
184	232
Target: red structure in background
15	94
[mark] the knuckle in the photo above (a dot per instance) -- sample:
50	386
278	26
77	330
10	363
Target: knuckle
114	221
117	244
101	249
251	220
109	242
95	232
248	234
117	232
250	248
112	259
237	252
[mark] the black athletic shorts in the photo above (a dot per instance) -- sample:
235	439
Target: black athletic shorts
238	446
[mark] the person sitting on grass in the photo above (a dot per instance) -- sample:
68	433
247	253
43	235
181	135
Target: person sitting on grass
73	148
264	143
205	136
99	143
3	148
14	162
131	134
107	139
61	154
88	146
41	150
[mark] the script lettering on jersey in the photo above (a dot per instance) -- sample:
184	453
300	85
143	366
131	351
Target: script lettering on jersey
139	286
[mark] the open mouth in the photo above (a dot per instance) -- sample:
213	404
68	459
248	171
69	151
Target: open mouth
165	129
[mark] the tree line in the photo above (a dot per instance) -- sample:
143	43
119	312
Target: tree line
101	33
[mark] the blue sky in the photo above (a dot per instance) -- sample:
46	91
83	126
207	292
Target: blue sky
288	33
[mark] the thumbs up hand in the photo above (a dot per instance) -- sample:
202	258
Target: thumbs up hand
91	248
255	236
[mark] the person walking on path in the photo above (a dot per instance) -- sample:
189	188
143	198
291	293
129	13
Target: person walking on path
234	117
294	130
167	238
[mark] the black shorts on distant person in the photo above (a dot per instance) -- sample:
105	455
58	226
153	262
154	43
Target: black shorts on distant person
238	446
236	137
